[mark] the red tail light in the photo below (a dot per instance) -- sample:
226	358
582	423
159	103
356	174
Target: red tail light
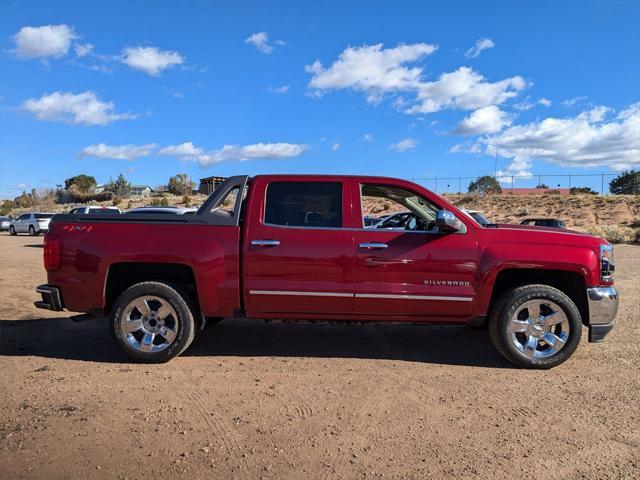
52	253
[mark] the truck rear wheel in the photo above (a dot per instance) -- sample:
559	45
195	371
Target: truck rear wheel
152	322
535	326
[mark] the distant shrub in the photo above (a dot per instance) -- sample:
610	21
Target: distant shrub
613	233
386	206
552	192
116	201
6	207
129	205
74	195
186	200
582	190
164	202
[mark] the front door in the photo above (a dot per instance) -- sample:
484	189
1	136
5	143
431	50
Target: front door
411	269
298	257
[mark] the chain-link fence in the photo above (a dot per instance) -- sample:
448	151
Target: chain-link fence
598	182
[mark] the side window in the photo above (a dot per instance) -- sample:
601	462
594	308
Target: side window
406	210
24	216
304	204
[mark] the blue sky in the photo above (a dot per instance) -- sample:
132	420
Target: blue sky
407	89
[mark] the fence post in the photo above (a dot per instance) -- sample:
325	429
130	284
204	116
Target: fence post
436	185
511	183
602	184
460	185
569	183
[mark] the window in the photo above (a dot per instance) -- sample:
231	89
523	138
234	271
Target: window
24	216
43	215
304	204
398	208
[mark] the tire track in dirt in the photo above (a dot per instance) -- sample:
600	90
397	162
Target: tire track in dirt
217	425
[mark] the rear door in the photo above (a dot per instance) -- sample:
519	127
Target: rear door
298	256
414	270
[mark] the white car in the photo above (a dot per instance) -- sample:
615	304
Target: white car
93	209
5	223
163	210
31	223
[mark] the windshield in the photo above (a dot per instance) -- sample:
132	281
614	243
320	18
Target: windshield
103	210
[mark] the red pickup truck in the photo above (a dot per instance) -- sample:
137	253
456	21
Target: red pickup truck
295	247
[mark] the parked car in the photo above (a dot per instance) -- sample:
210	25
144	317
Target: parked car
87	209
31	223
477	216
264	256
5	223
161	210
544	222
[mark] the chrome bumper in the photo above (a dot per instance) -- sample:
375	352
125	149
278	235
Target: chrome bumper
603	306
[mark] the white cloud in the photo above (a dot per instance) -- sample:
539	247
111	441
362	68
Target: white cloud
481	45
335	147
150	60
466	90
80	109
281	90
117	152
183	150
484	120
43	42
367	137
527	104
376	72
83	49
260	40
258	151
371	69
571	102
404	145
22	186
585	140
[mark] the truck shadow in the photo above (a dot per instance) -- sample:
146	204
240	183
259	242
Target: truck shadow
90	340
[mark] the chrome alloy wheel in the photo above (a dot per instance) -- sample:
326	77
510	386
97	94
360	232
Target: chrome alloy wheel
149	323
539	328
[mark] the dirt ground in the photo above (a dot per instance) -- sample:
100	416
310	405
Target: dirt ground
255	400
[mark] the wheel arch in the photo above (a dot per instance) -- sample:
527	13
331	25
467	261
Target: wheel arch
570	283
122	275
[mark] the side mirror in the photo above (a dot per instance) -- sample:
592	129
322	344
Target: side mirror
447	222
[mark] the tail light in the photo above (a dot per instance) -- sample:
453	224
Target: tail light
52	253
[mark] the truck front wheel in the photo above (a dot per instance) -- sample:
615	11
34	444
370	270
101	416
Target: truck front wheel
535	326
152	322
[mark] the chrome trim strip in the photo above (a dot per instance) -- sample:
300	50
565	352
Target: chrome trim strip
413	297
301	294
361	295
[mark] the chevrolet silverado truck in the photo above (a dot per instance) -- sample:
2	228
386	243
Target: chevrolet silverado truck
295	247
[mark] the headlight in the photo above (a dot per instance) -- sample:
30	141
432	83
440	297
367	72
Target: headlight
607	267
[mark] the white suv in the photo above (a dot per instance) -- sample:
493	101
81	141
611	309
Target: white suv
31	223
85	210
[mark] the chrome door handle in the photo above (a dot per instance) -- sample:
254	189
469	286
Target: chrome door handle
373	245
265	243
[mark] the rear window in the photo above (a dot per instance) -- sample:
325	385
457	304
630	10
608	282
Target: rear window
43	215
103	210
304	204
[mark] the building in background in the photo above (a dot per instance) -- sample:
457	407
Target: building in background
143	191
209	184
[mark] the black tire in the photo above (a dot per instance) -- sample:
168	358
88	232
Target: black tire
506	308
12	231
32	231
179	302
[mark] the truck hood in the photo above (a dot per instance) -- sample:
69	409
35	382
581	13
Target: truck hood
533	234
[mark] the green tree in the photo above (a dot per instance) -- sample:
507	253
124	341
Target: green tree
542	186
83	182
627	183
485	185
120	188
180	184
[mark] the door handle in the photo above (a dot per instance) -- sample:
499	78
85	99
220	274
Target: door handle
265	243
373	245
